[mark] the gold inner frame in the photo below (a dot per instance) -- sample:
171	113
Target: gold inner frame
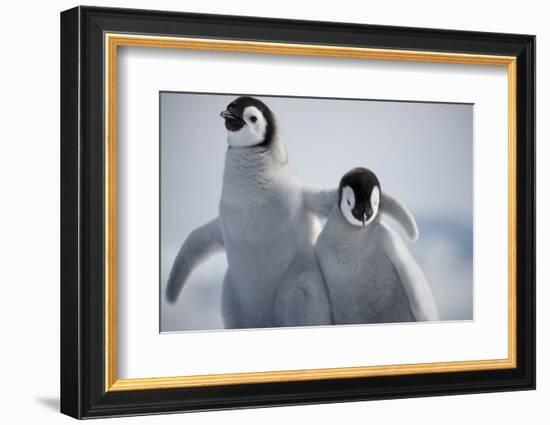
113	41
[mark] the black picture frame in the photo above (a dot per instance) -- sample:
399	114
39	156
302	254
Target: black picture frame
83	392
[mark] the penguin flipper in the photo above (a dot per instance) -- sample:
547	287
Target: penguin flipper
201	243
399	212
421	299
320	201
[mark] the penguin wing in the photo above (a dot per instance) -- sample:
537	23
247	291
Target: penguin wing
396	210
320	201
199	245
421	299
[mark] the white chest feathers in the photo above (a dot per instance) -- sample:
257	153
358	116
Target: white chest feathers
362	283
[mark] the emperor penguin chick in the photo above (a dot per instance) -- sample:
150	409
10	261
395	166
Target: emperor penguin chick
370	274
267	225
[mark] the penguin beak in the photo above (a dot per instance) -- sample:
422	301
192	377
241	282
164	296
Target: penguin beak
227	115
232	122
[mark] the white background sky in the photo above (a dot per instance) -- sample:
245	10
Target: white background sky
421	152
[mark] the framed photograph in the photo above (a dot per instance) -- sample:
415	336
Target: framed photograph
261	212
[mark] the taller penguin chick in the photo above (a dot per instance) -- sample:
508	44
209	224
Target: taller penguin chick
267	225
370	274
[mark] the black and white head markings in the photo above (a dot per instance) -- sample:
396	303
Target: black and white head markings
249	122
359	196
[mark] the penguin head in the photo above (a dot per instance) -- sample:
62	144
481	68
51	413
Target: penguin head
359	197
249	122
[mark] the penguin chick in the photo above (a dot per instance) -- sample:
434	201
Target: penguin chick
267	226
370	274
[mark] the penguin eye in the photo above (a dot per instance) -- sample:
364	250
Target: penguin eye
349	202
253	118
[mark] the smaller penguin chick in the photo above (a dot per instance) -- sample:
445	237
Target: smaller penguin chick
370	274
